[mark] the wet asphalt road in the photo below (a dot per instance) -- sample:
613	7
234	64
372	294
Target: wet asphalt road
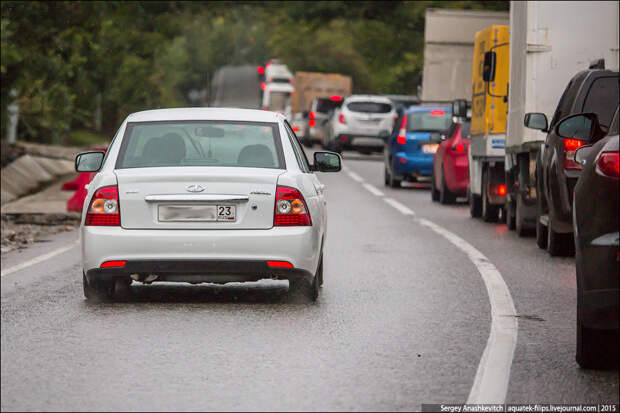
402	320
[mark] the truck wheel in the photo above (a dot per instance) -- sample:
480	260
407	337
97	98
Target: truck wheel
445	196
490	213
522	229
475	207
434	191
510	216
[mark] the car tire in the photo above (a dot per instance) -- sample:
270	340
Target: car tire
596	349
394	183
97	290
319	272
559	245
510	216
386	176
520	226
434	191
445	196
475	207
490	213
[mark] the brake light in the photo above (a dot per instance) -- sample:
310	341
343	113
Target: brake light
113	264
402	133
279	264
336	98
570	146
312	123
312	115
262	86
290	209
608	164
261	70
341	119
103	209
295	129
501	190
459	147
437	113
264	108
268	64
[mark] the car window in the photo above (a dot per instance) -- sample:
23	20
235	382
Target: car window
369	107
302	161
325	105
566	101
613	128
201	143
429	121
602	99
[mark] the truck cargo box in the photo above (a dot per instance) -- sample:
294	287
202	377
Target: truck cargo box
309	85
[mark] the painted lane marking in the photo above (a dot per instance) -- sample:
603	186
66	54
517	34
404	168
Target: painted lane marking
39	259
355	176
400	207
493	374
373	190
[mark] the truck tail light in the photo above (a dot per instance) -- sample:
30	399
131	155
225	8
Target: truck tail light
342	119
402	133
608	164
570	146
104	209
290	209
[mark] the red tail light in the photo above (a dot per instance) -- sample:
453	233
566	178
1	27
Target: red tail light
402	133
501	190
312	115
459	147
113	264
290	209
295	129
279	264
104	209
268	64
262	86
336	98
608	164
261	70
341	119
437	113
312	123
570	146
264	108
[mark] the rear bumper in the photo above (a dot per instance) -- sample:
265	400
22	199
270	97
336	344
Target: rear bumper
418	164
193	252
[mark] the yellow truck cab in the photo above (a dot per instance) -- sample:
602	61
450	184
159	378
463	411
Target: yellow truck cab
491	68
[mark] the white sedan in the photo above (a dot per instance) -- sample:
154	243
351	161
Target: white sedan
203	195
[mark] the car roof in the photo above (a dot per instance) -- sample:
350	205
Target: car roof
368	98
235	114
420	108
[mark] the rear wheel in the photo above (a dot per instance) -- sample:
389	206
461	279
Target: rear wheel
445	196
490	213
510	216
394	183
475	207
386	177
522	229
559	244
434	191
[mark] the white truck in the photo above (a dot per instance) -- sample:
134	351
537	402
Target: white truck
448	51
550	41
278	89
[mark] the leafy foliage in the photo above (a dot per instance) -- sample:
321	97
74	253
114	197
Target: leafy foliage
70	61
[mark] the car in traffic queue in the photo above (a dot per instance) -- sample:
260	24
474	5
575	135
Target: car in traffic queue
597	241
320	110
359	123
410	148
592	91
203	195
450	176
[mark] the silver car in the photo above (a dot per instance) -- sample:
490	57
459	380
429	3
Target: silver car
203	195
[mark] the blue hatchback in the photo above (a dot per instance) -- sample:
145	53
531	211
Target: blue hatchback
410	148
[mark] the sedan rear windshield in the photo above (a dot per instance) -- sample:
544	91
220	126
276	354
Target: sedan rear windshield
369	107
429	121
201	143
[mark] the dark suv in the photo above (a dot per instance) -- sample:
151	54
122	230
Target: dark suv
589	91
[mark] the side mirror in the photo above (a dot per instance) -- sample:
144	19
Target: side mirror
89	161
459	108
536	121
488	69
584	127
384	134
582	154
327	162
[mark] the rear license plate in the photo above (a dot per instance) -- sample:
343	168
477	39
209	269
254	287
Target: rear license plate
196	213
430	147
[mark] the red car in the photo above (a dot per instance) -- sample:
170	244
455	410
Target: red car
450	165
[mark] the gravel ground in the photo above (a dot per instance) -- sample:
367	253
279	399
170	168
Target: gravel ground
21	230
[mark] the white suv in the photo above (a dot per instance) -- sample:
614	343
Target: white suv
359	123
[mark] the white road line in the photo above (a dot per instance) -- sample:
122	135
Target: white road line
400	207
493	373
355	177
373	190
39	259
491	381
